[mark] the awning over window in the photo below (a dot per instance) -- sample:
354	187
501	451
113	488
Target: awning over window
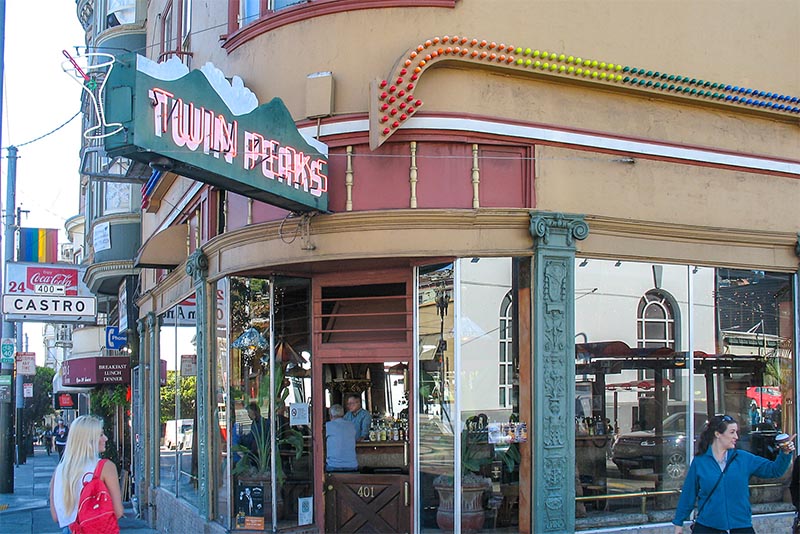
166	249
59	387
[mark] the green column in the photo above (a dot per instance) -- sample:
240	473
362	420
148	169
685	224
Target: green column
197	268
553	380
140	417
154	390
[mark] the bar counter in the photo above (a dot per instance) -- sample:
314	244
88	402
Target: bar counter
382	456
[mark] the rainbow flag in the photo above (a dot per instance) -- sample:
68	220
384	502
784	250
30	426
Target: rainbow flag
38	245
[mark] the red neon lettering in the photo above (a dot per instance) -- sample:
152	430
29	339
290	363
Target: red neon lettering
223	138
253	144
286	168
187	125
158	98
301	167
269	167
319	181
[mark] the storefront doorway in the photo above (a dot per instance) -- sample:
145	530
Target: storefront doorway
373	495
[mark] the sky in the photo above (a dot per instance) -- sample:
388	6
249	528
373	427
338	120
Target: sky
38	97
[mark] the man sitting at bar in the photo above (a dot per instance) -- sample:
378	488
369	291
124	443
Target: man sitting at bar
340	442
359	416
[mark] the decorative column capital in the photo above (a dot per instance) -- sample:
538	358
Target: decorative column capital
197	266
141	327
797	245
558	229
151	319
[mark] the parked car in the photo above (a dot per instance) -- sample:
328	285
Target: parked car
639	450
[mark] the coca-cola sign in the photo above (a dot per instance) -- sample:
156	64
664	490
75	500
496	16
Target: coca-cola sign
45	279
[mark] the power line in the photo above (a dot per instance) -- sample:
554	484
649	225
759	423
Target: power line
45	135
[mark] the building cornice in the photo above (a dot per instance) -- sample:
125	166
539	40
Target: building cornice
485	232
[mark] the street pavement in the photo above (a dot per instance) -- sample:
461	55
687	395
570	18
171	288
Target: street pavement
27	510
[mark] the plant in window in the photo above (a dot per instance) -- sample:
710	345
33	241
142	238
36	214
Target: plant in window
255	459
476	452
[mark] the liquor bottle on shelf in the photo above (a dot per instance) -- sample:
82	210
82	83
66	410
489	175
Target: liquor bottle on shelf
372	435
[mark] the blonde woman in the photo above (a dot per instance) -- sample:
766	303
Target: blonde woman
85	444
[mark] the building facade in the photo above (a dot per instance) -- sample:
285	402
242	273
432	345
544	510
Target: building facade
486	221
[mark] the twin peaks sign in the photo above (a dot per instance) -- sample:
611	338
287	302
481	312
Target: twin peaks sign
199	125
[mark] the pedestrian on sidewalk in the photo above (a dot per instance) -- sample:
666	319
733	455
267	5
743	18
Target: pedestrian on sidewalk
83	448
60	434
47	440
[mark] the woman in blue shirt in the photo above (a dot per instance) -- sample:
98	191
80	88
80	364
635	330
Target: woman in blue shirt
726	508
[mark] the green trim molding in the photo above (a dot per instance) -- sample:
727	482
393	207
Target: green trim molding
392	100
553	448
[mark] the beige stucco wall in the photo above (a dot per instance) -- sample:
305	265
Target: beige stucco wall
682	212
731	41
578	181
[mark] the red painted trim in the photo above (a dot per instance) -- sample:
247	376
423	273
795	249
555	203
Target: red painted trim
314	8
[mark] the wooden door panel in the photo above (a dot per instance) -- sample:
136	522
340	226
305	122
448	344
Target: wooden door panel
356	502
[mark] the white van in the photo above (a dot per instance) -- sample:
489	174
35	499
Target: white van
178	434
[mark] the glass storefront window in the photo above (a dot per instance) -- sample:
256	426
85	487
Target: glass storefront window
178	402
472	385
436	388
640	327
269	316
221	467
494	433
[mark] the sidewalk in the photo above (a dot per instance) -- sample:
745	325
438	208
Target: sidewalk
27	510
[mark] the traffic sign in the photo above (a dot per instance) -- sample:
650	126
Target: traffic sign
115	339
7	349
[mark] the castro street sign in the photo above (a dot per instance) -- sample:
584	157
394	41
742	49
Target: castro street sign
38	307
46	292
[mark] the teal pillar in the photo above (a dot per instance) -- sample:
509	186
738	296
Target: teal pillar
154	396
140	417
553	380
197	268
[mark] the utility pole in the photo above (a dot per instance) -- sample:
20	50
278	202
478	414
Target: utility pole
8	332
6	369
22	455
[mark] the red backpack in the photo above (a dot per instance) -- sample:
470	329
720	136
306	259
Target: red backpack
95	507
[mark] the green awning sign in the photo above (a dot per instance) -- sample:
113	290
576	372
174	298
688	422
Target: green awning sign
199	125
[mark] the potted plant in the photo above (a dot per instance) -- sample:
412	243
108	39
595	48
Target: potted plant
476	452
253	470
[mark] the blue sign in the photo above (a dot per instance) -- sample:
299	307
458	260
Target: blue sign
115	340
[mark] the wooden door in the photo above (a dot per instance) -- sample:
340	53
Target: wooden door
356	502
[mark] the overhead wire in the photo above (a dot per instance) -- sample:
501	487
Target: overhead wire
51	132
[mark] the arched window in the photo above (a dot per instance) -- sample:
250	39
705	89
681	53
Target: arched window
655	328
655	321
506	367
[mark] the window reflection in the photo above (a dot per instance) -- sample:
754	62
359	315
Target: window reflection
256	393
632	377
469	356
436	387
178	463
